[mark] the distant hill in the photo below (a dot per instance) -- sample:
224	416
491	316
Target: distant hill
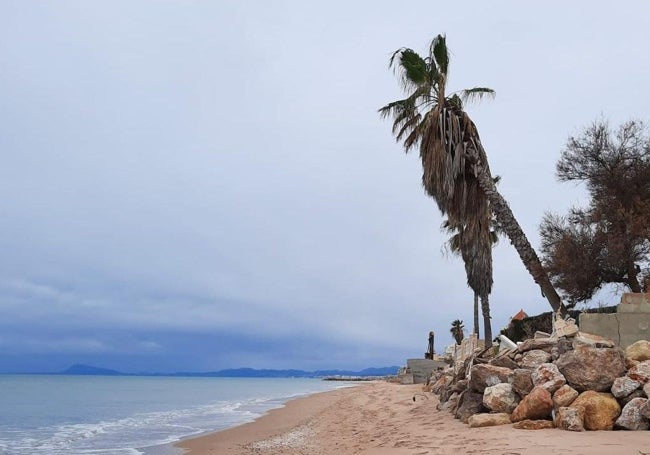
239	373
90	371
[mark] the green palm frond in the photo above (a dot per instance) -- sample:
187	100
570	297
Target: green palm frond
476	94
439	51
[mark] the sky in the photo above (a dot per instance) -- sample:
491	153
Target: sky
199	185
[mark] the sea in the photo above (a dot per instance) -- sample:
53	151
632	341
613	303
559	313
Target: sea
130	415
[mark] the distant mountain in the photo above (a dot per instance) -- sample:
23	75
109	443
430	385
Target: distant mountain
90	371
240	373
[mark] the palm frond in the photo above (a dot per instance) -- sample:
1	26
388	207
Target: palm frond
439	51
476	94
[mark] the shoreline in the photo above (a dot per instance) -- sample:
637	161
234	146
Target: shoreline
383	418
277	421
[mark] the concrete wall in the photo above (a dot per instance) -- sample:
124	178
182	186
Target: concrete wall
422	368
630	323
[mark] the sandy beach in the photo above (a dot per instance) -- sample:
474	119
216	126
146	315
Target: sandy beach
385	418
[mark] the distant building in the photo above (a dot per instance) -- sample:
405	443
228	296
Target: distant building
519	316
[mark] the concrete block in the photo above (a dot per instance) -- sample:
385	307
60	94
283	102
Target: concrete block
623	328
632	302
605	325
422	368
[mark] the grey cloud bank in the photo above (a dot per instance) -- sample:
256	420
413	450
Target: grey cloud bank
205	185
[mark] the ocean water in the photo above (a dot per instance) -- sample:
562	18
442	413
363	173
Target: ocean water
104	415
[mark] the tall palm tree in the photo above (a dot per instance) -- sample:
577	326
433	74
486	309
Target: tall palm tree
455	168
456	330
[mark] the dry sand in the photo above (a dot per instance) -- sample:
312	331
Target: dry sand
382	418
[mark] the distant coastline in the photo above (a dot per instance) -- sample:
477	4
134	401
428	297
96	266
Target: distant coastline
88	370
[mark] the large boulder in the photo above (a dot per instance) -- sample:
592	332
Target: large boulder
638	393
624	386
590	368
589	339
533	358
485	375
504	361
599	410
538	404
500	398
470	403
488	420
631	417
450	404
564	396
545	344
442	382
548	376
534	425
522	381
639	351
570	419
640	372
563	345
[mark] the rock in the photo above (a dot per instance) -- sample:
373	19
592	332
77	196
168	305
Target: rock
545	344
589	368
638	393
589	339
485	375
629	363
645	410
504	361
533	358
569	419
624	386
522	381
639	351
450	404
547	375
442	382
500	398
563	345
646	390
536	405
631	417
534	425
460	386
564	396
470	403
599	410
488	420
640	372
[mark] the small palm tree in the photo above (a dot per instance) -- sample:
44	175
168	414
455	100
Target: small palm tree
455	168
456	330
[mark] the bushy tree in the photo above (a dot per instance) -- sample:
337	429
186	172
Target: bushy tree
609	240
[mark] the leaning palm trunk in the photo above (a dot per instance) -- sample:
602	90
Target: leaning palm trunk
487	323
513	230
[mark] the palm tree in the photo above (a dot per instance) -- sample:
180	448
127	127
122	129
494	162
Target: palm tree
456	330
455	168
463	243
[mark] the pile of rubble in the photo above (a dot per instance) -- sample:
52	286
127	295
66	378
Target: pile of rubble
575	381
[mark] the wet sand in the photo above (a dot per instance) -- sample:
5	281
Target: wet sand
383	418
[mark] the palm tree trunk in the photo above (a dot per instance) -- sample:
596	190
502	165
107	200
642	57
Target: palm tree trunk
509	224
476	328
487	324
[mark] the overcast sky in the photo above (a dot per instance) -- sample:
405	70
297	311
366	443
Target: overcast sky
198	185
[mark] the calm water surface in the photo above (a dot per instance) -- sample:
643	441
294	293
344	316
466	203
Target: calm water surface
122	415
